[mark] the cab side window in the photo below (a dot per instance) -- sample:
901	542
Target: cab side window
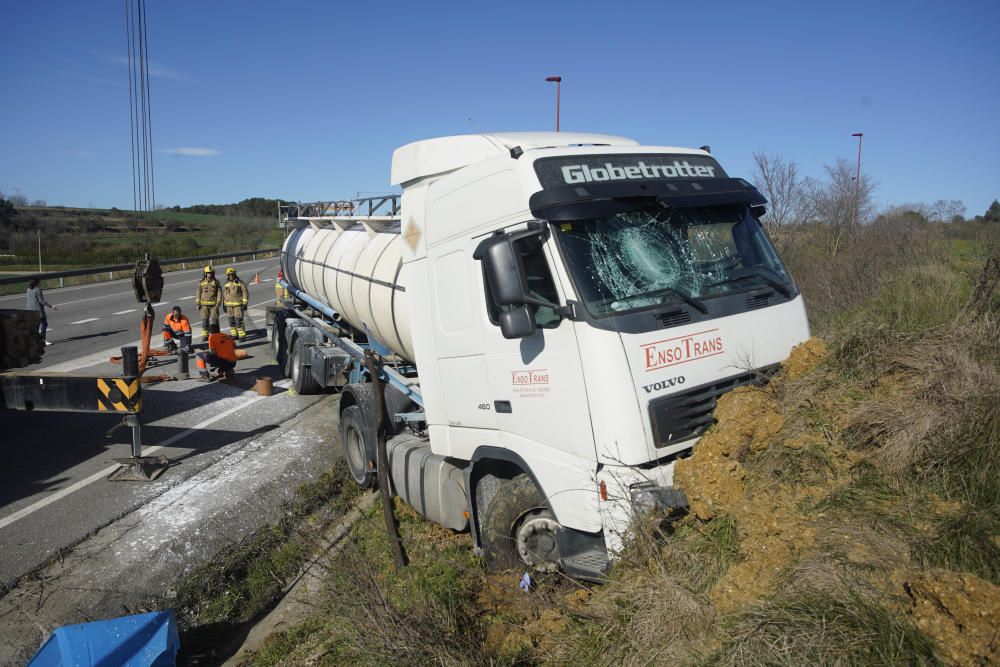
540	284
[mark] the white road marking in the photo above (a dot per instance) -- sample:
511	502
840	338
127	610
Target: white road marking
105	283
162	303
125	312
104	356
185	298
97	476
89	319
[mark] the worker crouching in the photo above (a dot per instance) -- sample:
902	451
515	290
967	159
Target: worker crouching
207	299
235	297
176	330
220	357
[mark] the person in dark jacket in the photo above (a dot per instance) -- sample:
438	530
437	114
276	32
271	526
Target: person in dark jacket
37	302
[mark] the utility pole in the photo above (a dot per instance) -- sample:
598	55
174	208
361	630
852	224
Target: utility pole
38	233
857	179
558	81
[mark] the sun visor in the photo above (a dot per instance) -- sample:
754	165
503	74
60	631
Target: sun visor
576	202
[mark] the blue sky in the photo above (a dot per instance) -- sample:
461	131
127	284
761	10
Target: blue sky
307	100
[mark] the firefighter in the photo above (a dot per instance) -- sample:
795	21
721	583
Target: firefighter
220	356
207	299
235	295
176	330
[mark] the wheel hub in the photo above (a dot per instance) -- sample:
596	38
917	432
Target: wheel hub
355	450
536	540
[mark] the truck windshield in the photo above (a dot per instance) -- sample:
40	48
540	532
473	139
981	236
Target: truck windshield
650	255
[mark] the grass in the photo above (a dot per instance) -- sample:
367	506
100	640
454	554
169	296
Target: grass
835	626
242	582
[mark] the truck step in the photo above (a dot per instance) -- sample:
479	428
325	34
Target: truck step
590	565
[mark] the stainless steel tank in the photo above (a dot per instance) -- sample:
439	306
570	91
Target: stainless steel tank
359	275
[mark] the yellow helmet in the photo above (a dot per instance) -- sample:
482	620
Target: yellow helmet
209	269
230	271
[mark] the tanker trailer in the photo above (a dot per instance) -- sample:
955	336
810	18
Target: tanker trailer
556	315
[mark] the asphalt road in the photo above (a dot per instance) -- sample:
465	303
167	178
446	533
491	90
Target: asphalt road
53	486
96	317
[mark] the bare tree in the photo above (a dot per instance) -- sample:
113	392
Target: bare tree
779	181
18	199
947	210
842	203
39	203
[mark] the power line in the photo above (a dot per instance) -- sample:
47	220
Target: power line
140	115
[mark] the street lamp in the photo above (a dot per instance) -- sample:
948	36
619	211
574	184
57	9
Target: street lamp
857	179
558	82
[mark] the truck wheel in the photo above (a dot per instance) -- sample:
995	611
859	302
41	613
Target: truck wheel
286	358
275	340
302	380
518	529
358	438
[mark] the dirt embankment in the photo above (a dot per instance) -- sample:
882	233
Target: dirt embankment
780	520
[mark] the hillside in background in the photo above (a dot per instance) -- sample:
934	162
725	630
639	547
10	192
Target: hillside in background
90	237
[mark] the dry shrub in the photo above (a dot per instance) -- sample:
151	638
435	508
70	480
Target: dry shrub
835	282
821	618
377	622
655	608
930	388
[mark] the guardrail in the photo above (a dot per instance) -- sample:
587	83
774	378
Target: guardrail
112	268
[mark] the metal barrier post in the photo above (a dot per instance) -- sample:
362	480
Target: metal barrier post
182	364
136	468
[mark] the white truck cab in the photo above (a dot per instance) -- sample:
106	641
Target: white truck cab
565	310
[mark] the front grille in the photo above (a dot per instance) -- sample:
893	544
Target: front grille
673	318
686	415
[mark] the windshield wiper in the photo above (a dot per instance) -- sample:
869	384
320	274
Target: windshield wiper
686	298
757	273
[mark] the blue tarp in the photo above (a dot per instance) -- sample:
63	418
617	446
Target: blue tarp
143	640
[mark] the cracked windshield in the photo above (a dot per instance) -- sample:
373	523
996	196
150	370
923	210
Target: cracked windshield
650	256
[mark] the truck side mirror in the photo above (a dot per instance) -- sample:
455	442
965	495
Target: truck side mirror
517	322
504	270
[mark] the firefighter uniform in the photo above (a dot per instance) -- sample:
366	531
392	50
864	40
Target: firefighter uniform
176	330
220	356
208	298
235	296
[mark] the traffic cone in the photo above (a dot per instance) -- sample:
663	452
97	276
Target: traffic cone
256	279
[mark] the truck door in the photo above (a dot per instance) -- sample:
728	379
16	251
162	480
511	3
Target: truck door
458	338
536	383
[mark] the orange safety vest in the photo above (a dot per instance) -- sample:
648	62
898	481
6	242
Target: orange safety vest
223	346
182	325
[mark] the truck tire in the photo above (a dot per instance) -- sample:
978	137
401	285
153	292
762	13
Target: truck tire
275	340
302	380
518	529
357	435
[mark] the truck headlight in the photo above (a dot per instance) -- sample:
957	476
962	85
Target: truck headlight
647	496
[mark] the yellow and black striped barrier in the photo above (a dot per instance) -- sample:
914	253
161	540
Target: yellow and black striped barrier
63	392
119	395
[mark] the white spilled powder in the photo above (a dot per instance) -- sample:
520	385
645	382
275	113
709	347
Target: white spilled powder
171	524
